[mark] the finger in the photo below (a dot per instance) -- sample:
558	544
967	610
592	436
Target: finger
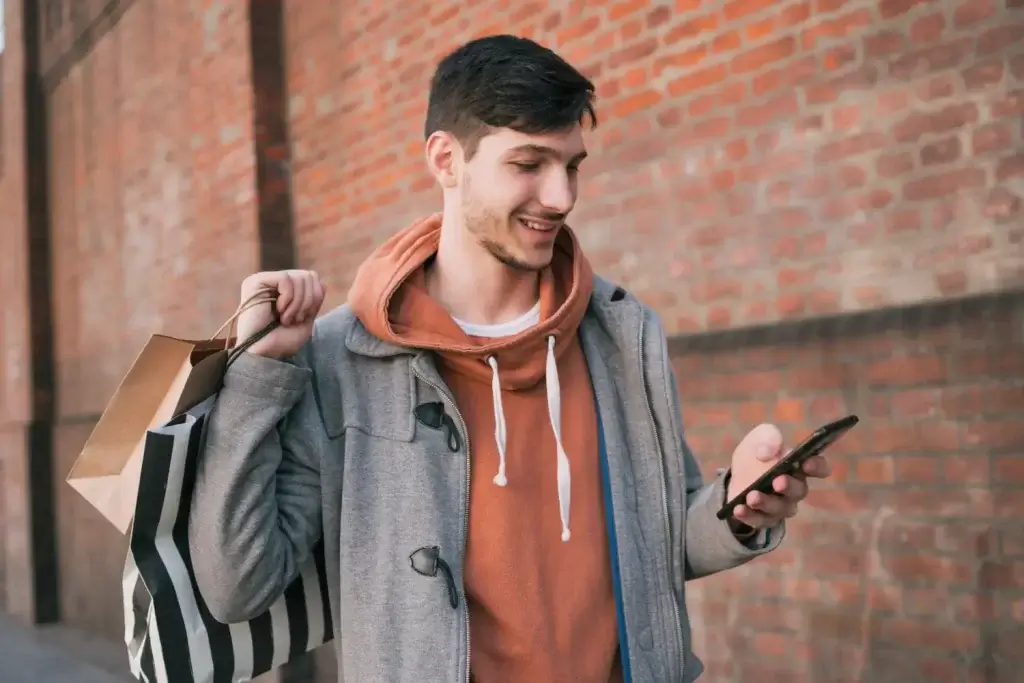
768	505
762	443
309	308
818	467
318	288
751	518
285	297
295	305
792	488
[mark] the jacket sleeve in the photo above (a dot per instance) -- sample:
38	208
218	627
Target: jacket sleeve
256	515
711	546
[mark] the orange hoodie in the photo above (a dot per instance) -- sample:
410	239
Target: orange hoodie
540	598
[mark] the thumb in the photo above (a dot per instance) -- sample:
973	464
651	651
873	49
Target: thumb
763	443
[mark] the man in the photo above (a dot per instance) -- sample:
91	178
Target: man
487	436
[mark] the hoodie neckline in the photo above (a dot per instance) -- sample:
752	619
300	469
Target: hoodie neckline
390	298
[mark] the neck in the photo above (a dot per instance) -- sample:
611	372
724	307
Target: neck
474	286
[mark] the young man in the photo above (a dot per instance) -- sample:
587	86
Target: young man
487	436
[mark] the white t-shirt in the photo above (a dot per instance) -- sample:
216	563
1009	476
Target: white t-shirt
505	329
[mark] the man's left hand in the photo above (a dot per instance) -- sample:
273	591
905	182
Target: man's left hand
756	454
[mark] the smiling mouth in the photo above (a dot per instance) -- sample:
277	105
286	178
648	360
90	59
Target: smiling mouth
538	225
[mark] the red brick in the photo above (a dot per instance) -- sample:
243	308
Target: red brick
938	570
691	28
930	59
619	10
577	29
941	152
854	145
992	138
780	107
890	9
948	118
696	80
907	371
1002	205
680	60
928	28
943	184
838	57
658	16
726	42
863	78
633	53
1010	167
890	165
884	43
1001	38
972	11
763	55
737	9
983	75
833	29
636	103
1017	67
1009	106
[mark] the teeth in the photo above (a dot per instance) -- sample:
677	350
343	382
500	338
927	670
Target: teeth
535	226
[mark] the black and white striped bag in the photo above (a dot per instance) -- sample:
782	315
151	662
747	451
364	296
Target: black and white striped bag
170	634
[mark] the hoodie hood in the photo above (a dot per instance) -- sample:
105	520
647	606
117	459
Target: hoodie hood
389	296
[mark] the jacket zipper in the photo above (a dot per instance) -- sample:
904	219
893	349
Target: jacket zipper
664	499
465	504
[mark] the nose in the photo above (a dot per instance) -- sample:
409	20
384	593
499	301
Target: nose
558	191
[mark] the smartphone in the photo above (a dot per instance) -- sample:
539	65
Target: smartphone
794	461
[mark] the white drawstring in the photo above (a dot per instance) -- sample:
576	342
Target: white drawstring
554	412
499	421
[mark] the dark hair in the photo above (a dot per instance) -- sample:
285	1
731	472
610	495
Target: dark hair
504	81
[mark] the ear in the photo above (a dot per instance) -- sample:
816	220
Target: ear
444	154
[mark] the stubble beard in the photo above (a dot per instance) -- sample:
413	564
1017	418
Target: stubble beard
487	228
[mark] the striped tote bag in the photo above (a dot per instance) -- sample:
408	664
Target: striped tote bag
170	634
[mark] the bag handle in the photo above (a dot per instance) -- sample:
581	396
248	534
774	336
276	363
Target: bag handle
244	346
261	296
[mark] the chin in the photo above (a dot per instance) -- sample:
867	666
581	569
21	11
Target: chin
521	259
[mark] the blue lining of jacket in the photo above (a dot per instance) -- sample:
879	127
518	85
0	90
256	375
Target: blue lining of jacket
613	547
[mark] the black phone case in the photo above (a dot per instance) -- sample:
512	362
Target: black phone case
813	445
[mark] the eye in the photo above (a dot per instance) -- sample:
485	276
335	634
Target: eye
526	166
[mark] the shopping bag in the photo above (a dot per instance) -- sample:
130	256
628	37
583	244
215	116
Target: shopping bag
168	376
170	634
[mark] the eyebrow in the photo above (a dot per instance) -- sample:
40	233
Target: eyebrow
547	151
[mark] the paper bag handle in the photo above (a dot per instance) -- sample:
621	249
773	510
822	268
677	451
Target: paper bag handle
261	296
241	348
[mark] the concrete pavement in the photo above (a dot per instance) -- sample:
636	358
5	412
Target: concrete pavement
52	654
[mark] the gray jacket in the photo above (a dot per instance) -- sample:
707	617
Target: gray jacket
327	446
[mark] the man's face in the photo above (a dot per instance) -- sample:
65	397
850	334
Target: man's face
517	190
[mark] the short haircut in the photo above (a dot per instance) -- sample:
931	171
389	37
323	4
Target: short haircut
504	81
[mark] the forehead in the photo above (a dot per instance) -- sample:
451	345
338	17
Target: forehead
564	145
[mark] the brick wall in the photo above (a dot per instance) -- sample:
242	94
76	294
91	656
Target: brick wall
908	567
154	223
756	162
757	159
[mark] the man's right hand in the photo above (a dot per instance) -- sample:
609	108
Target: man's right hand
299	294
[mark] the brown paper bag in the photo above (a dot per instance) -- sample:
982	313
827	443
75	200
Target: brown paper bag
168	377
